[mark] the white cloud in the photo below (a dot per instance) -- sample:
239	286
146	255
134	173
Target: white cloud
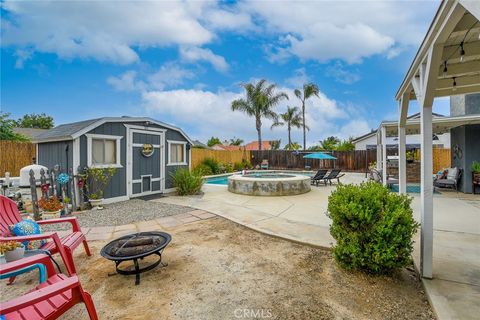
299	78
346	30
195	54
126	82
341	74
103	30
168	75
208	113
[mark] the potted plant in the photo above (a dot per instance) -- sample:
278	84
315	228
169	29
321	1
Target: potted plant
97	180
410	155
52	207
12	250
475	170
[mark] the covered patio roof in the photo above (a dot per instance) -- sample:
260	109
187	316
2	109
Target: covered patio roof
447	63
439	125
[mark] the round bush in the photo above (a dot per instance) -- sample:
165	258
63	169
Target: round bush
372	226
203	170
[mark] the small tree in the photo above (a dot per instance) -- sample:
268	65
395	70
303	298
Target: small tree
293	146
275	144
345	145
372	226
236	141
291	118
33	120
329	143
6	129
97	180
213	141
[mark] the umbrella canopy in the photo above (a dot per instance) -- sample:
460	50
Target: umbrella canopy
319	155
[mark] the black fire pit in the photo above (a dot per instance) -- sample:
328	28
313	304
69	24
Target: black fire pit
136	246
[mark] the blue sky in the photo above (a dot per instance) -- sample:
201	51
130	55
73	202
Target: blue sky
183	62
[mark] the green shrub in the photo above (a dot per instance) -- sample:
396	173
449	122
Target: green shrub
203	170
238	166
187	182
372	226
475	167
213	164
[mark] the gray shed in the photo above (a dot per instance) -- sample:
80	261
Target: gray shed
144	151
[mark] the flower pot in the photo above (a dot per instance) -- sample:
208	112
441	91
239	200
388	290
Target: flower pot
14	254
51	214
476	176
96	202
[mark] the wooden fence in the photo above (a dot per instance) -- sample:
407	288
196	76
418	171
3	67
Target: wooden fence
223	156
15	155
285	159
442	158
346	160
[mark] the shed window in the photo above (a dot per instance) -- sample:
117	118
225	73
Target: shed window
177	153
104	151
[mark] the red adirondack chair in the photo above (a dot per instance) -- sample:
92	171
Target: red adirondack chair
50	299
9	215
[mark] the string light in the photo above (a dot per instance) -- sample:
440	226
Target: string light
445	69
462	52
454	84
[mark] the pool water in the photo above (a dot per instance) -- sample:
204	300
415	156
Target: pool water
410	188
224	180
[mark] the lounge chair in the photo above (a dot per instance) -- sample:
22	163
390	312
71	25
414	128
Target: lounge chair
334	174
49	300
9	215
377	176
451	181
319	176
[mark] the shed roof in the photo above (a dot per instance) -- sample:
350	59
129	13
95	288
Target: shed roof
70	131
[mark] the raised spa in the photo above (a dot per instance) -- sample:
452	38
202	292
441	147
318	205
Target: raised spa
269	184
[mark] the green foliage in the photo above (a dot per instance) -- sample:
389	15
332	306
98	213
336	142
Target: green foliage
186	182
345	145
329	143
97	180
309	90
213	141
475	167
238	166
6	129
213	164
33	120
315	148
260	99
293	146
410	155
275	144
203	170
372	226
236	141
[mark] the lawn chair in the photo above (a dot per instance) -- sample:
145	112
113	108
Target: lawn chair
451	181
51	298
319	176
377	176
9	215
264	165
334	174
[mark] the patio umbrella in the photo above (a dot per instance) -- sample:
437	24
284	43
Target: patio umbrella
319	155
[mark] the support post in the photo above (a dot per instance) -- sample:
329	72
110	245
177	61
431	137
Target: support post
379	152
426	242
402	161
384	155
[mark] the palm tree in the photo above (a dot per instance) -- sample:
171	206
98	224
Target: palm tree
309	90
259	102
236	141
291	118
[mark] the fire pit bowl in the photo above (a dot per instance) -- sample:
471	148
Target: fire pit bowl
136	246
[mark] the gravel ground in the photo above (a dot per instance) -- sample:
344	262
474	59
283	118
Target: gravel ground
121	213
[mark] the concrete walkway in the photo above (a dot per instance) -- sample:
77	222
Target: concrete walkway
455	290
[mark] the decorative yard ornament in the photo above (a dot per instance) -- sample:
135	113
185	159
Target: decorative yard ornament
63	178
147	150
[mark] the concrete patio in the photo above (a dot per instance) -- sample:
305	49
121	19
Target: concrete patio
455	290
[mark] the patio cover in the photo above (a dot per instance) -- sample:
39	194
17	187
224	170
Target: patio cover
447	63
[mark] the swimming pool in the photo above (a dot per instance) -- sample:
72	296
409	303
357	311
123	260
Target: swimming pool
223	180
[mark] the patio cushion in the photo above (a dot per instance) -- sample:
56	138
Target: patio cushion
452	173
445	182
